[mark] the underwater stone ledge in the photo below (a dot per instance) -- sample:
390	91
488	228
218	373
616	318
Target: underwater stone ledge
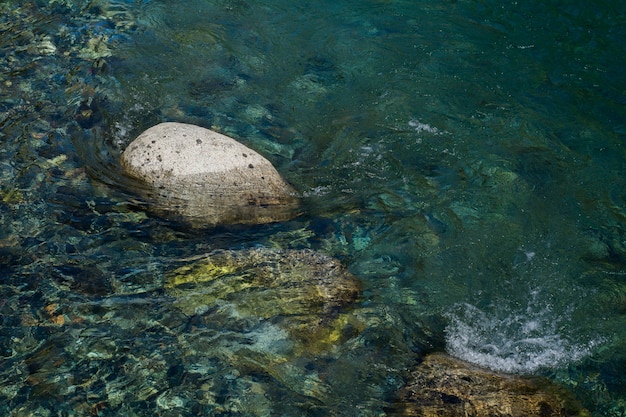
444	386
207	178
304	292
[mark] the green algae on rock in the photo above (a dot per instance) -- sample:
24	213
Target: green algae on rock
302	291
444	386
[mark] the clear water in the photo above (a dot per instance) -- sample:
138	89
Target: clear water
465	159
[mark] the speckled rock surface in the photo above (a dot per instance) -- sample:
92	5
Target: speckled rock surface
207	177
443	386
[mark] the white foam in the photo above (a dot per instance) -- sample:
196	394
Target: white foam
423	127
121	135
319	191
523	341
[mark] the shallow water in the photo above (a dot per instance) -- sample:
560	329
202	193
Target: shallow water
465	160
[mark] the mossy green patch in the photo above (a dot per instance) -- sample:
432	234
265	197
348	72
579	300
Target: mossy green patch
200	272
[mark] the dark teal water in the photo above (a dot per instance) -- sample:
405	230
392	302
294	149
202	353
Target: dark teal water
465	159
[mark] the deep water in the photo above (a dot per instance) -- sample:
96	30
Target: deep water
466	160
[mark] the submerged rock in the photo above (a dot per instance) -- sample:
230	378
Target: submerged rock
443	386
301	291
208	178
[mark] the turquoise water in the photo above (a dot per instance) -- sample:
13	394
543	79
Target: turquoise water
464	159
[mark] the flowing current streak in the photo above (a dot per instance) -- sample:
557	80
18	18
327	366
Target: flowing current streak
522	341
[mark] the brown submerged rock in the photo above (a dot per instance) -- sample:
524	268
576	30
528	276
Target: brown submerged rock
442	386
207	178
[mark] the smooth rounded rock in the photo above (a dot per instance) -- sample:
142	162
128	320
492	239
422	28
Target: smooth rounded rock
207	178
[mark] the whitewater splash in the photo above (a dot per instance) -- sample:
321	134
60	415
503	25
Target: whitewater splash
522	341
423	127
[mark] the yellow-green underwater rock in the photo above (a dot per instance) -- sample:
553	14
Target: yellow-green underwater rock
302	291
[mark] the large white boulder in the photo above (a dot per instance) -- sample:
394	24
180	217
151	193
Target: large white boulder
207	178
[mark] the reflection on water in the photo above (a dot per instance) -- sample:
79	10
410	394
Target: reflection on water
465	161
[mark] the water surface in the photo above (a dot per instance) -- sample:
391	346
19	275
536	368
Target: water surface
464	159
